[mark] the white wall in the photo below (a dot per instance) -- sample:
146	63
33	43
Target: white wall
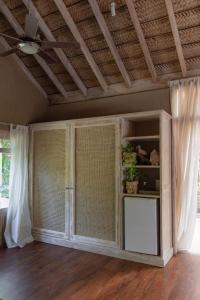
150	100
20	101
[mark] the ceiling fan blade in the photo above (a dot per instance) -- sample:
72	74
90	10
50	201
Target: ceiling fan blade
10	37
31	26
8	52
47	56
49	44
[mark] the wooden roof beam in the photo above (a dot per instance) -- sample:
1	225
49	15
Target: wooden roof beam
74	29
176	36
117	89
23	68
107	35
60	53
19	30
141	38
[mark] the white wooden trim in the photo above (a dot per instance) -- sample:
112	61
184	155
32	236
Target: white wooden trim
129	116
165	187
30	172
174	222
67	182
168	255
94	241
48	126
48	232
80	124
113	252
72	173
118	202
160	203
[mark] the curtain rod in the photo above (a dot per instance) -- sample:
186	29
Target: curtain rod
183	78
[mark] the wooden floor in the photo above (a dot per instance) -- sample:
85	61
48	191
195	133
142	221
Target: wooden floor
42	272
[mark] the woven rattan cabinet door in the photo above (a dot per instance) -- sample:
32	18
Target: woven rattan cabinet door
95	191
49	172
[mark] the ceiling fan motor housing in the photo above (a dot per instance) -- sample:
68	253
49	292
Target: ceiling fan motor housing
29	47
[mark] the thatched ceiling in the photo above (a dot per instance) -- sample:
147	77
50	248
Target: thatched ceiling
170	47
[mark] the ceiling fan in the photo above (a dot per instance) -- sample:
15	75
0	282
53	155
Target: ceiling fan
30	43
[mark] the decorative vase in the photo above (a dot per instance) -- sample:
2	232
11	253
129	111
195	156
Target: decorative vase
154	158
132	187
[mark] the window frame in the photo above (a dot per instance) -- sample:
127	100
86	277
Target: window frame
6	151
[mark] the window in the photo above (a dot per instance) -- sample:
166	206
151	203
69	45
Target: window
4	169
195	247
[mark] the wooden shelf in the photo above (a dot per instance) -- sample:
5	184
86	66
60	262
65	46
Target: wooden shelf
142	138
142	167
142	195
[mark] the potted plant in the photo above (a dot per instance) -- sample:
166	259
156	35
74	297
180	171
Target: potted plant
132	180
128	155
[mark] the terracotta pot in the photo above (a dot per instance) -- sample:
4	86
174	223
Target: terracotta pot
132	187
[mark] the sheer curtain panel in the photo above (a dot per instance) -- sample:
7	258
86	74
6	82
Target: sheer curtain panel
18	224
185	104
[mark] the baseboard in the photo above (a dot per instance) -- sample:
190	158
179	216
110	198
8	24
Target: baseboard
113	252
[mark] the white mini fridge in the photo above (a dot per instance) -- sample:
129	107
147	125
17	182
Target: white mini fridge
141	225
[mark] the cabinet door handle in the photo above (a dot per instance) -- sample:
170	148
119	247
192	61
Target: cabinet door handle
69	188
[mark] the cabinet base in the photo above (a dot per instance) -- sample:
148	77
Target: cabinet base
54	239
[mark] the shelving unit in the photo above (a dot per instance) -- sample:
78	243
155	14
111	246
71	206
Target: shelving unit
143	167
142	138
142	195
145	133
152	132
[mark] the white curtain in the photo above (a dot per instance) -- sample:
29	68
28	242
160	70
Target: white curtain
185	104
18	224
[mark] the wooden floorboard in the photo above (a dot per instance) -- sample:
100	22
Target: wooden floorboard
42	272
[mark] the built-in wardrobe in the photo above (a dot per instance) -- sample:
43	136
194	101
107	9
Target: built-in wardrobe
77	185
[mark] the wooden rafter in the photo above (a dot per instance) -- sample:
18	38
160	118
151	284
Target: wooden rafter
175	33
107	35
60	53
19	30
51	75
23	68
141	38
74	29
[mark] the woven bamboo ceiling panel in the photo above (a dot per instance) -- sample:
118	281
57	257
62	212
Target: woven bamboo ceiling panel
147	42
